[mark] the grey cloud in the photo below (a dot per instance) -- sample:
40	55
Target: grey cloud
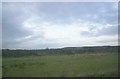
0	25
110	31
14	14
12	18
108	41
106	31
56	11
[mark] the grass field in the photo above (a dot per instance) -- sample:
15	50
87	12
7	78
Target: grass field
79	65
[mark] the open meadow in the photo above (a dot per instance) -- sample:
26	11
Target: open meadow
77	65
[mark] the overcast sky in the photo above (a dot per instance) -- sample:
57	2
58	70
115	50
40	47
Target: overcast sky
52	24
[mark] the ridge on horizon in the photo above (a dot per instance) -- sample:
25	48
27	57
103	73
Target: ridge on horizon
58	47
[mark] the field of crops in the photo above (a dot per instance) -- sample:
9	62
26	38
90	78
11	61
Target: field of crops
77	65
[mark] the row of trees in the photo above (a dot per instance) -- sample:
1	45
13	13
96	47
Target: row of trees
62	51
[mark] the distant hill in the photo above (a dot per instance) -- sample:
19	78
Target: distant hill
59	51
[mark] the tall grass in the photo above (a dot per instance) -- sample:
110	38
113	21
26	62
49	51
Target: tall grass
62	66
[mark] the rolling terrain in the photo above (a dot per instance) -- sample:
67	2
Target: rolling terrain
64	62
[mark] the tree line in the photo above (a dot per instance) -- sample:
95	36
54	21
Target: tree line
59	51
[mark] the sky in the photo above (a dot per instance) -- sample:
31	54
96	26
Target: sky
30	25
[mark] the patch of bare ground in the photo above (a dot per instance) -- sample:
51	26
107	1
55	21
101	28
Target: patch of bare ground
90	54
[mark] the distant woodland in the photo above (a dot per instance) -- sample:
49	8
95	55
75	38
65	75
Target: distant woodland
59	51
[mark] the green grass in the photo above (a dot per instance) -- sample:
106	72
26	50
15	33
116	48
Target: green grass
83	65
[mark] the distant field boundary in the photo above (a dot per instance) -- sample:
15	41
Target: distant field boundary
60	51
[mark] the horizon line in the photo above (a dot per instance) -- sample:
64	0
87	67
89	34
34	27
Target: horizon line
57	47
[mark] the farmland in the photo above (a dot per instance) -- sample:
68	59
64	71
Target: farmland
62	65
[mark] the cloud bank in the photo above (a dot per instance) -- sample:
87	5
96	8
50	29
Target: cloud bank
53	24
